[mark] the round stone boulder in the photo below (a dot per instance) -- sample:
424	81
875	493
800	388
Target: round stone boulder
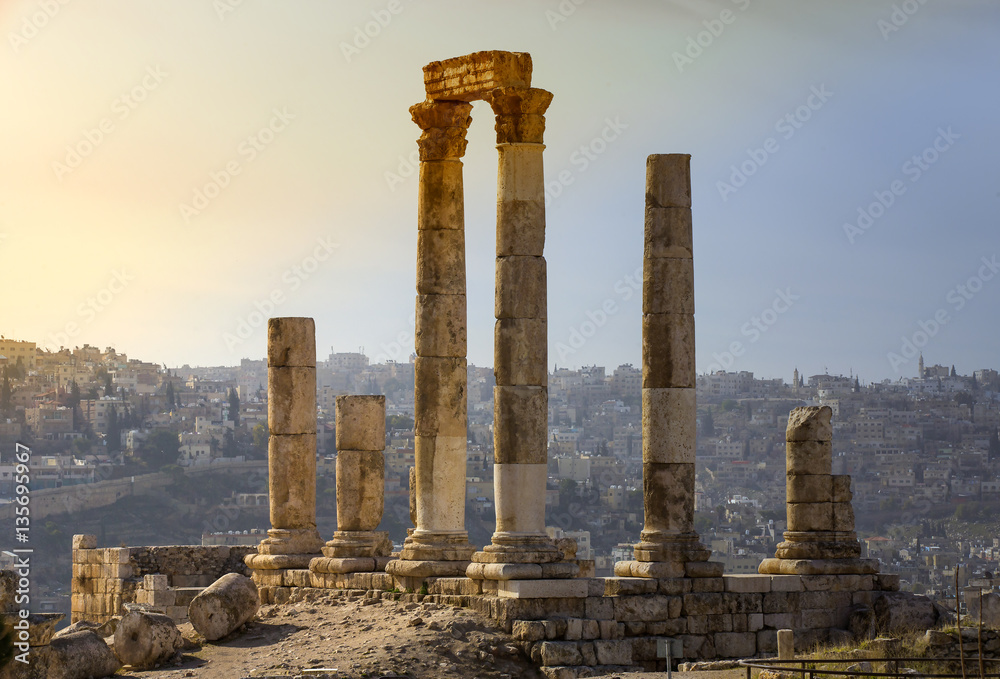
224	605
144	640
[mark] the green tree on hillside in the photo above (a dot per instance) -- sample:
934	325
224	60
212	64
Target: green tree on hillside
234	407
160	449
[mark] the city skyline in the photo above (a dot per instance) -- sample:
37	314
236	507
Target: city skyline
194	172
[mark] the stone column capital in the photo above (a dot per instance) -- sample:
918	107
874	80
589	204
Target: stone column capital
444	124
520	113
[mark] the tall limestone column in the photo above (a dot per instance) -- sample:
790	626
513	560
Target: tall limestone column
291	454
820	538
520	548
439	545
669	546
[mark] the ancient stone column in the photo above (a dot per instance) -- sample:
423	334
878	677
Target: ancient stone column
291	455
520	548
669	546
820	538
439	545
356	545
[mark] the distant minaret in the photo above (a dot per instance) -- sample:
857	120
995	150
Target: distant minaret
920	366
795	380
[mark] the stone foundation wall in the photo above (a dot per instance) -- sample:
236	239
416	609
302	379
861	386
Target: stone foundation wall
105	579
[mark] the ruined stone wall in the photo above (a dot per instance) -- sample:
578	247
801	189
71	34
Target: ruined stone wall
105	579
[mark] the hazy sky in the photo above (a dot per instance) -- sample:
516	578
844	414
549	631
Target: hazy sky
167	170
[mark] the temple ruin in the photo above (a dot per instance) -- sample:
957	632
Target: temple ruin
562	617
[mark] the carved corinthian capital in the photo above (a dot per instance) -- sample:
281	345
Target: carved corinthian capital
444	124
520	113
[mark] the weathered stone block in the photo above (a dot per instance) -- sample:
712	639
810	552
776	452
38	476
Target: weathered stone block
360	422
441	322
810	423
520	287
809	488
707	603
626	585
668	180
810	516
291	342
520	433
542	589
574	629
669	425
291	400
668	350
560	653
440	192
643	607
736	644
613	652
440	396
668	286
668	496
290	460
842	488
519	352
360	488
519	219
668	232
786	583
809	457
590	629
600	608
528	630
441	262
843	516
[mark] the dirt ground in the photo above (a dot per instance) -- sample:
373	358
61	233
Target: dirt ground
353	637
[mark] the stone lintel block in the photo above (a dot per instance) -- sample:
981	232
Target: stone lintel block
441	262
440	396
809	457
571	588
656	570
520	497
291	342
441	322
440	196
843	516
628	585
360	488
668	180
669	425
291	463
668	233
84	542
328	565
504	571
810	423
668	286
810	516
519	352
440	464
520	287
469	77
809	488
786	583
668	496
520	227
291	400
842	488
747	583
668	350
360	422
520	179
520	431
